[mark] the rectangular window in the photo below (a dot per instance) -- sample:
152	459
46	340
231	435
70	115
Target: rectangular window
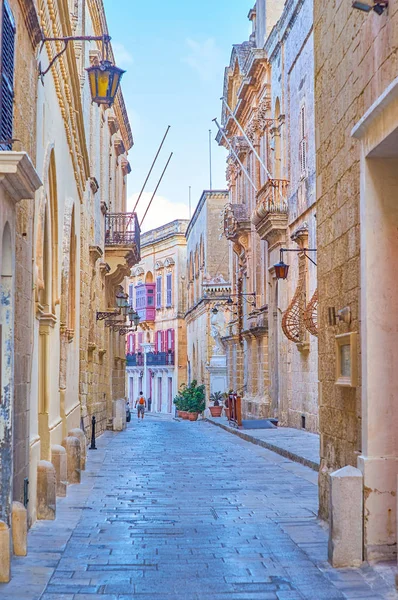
7	76
131	294
158	341
303	143
159	291
169	290
150	297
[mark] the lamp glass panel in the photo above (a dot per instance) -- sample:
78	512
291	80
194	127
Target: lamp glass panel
103	84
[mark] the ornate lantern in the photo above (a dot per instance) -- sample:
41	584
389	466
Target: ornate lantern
281	270
104	80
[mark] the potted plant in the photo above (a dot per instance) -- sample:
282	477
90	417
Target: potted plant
216	409
196	400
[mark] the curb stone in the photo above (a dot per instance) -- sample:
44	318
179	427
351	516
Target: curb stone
282	451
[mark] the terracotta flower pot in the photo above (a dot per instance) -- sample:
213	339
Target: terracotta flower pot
193	416
226	410
185	415
215	411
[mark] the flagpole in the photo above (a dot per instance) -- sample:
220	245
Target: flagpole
211	183
156	189
236	156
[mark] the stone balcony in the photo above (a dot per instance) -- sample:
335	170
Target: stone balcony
270	216
236	222
122	243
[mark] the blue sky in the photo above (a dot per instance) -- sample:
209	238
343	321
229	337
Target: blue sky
174	53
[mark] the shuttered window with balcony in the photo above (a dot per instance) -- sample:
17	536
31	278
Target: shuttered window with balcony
7	76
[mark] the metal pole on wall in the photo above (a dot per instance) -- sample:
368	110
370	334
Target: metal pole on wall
211	183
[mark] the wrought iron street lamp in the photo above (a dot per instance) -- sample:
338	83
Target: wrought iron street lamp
104	78
282	269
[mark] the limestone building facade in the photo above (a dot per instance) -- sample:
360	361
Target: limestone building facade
156	353
268	130
357	123
20	31
67	242
207	286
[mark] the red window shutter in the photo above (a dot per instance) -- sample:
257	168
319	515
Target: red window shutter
164	340
140	335
172	340
158	341
133	342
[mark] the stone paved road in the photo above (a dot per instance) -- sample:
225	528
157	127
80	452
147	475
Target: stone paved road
186	511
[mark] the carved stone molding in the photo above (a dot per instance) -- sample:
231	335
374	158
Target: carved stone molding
18	176
94	185
31	21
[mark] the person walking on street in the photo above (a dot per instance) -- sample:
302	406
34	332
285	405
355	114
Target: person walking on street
141	402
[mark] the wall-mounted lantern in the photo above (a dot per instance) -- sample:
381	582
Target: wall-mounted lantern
282	269
104	78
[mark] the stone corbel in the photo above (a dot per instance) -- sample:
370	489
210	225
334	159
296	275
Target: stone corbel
300	236
18	176
94	185
104	269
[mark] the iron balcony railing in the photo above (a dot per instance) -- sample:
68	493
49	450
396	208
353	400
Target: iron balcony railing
122	229
153	359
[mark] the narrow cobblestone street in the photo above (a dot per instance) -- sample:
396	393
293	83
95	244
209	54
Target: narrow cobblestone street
178	510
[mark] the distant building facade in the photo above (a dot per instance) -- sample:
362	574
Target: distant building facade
207	286
269	88
156	353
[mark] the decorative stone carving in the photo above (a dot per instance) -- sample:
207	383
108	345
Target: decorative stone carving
217	322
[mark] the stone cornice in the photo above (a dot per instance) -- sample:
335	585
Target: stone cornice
218	194
55	21
18	175
100	26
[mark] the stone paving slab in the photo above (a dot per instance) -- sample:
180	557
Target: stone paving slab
298	445
171	510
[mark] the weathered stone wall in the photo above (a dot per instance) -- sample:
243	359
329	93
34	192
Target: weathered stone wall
24	128
354	63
